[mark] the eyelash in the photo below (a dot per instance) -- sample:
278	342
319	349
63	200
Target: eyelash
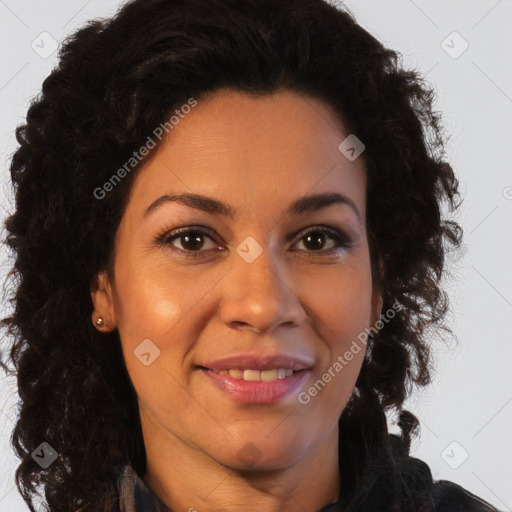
168	235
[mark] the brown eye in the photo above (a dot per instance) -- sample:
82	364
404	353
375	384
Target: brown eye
190	241
316	239
187	241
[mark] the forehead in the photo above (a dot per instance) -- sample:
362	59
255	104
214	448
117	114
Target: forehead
235	146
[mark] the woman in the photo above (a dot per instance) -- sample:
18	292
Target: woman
228	242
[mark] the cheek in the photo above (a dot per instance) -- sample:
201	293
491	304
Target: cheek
154	313
342	303
167	308
150	301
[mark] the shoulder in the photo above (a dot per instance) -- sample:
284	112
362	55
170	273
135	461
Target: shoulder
443	495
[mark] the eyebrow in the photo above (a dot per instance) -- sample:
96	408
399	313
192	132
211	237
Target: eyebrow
309	203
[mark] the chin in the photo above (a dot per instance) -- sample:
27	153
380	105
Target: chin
261	456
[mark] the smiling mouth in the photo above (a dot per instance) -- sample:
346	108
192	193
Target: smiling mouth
252	375
252	386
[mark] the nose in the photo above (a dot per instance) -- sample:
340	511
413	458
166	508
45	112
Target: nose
260	296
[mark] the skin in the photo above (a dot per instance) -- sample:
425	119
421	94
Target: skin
257	155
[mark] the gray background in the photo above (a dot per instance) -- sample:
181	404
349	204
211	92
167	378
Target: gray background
466	415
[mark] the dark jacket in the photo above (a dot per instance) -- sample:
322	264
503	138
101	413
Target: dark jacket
394	482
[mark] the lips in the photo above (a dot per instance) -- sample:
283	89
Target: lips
254	362
252	379
257	392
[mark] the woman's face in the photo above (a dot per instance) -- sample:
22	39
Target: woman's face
258	272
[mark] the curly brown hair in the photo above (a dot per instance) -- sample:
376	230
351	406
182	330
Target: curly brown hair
116	80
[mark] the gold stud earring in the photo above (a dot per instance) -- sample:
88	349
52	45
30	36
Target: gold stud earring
99	321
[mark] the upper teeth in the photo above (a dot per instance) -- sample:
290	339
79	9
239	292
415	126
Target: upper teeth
264	375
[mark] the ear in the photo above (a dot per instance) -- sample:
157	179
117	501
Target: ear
103	303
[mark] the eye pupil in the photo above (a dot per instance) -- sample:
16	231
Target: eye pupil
312	238
192	242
